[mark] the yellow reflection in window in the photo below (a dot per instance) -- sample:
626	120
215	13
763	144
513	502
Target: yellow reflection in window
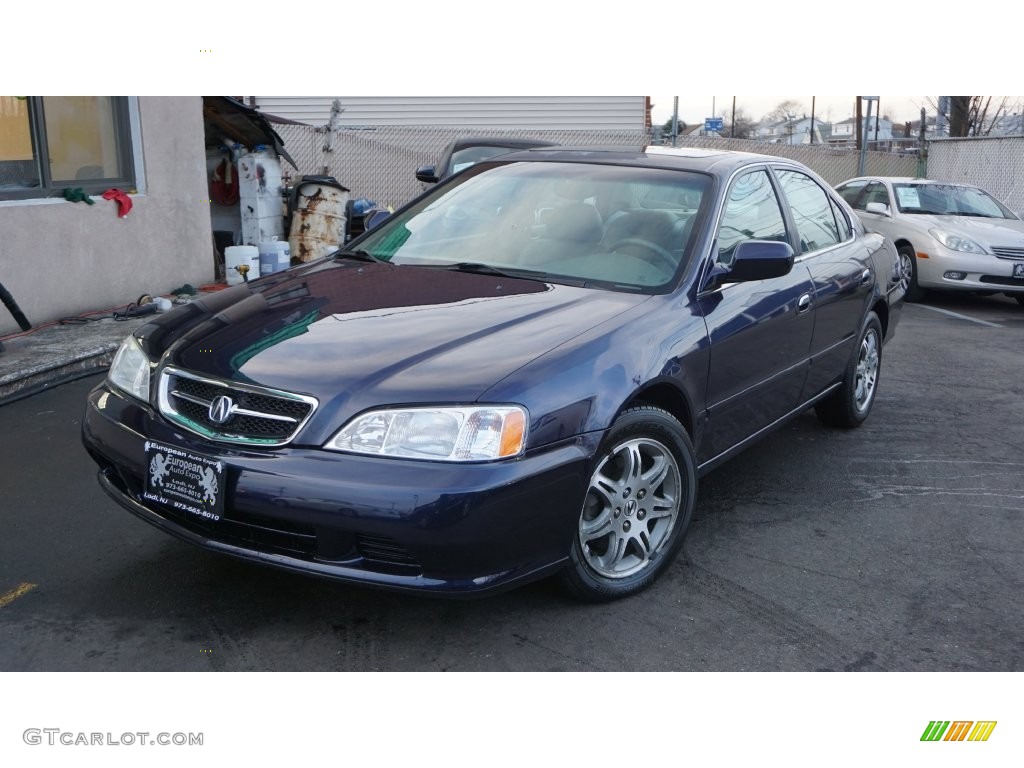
15	133
80	137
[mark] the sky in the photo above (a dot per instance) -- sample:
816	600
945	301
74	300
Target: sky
694	109
537	48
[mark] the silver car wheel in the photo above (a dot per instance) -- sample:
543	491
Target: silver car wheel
906	270
631	508
867	370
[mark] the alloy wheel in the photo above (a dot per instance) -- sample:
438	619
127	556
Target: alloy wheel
867	370
631	508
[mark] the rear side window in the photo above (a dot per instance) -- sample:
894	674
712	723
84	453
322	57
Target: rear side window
811	210
851	193
752	212
876	193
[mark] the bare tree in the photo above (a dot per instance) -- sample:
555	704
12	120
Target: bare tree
742	127
784	110
975	115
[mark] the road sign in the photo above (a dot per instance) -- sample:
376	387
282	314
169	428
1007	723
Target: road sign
714	123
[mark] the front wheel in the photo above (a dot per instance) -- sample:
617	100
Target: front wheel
908	274
850	405
637	507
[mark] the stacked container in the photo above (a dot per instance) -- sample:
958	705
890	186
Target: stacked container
260	202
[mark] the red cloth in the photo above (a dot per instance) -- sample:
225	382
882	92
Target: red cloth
124	203
224	184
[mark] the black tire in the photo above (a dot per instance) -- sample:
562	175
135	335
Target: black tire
850	405
630	526
908	259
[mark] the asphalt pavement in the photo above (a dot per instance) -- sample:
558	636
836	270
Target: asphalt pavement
896	546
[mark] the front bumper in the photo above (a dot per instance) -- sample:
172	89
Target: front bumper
449	529
983	272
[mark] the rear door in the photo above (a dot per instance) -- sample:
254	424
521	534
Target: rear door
760	331
840	267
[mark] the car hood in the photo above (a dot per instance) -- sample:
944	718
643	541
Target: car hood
357	335
986	232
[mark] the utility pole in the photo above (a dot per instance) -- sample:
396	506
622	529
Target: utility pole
675	119
867	127
732	126
922	152
859	124
812	119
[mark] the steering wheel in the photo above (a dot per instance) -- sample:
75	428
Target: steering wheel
650	252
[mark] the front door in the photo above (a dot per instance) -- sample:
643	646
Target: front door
760	331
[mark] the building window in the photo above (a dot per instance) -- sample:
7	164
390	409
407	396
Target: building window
51	143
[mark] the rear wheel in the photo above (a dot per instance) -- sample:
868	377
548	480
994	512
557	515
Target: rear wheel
850	405
637	507
908	274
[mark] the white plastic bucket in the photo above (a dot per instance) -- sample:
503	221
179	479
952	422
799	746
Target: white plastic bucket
275	256
239	257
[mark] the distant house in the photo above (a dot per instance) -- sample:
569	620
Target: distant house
1009	125
844	133
796	131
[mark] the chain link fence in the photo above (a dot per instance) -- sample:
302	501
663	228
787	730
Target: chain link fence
380	163
834	164
996	164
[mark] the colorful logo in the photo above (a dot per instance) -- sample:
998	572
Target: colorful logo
958	730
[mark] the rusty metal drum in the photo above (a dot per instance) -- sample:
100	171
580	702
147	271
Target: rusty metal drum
318	221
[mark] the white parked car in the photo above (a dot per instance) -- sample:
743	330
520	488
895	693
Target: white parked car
949	236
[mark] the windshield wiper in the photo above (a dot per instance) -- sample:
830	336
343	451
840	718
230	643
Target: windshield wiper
483	269
358	255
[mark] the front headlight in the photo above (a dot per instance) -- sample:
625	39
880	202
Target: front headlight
956	243
456	433
130	370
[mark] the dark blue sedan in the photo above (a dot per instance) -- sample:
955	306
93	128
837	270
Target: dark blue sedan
521	373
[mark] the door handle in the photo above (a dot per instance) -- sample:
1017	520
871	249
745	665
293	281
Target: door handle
803	304
865	276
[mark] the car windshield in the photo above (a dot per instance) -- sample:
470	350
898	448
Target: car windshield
949	199
615	227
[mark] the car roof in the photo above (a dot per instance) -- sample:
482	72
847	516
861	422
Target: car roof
498	141
720	162
901	180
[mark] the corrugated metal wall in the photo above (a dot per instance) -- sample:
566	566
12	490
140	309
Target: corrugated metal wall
596	113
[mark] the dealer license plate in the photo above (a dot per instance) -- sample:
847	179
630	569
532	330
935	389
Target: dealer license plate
1018	269
185	481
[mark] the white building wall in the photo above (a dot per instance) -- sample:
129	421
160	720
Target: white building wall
503	112
60	258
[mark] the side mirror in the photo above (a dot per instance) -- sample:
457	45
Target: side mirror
427	174
374	217
759	260
880	208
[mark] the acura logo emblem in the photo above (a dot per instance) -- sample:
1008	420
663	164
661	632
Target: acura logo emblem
221	409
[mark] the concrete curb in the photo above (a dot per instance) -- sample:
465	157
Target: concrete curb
54	355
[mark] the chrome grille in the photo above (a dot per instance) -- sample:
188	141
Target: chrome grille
254	415
1008	252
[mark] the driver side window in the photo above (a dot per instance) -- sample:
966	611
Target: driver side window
751	212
